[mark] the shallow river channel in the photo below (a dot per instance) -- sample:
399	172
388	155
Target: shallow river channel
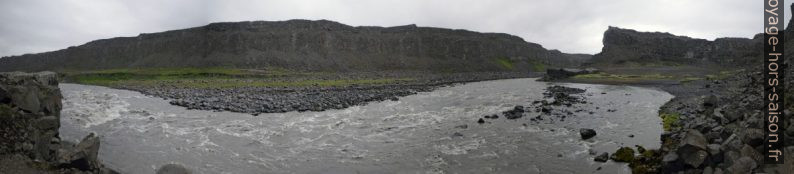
421	133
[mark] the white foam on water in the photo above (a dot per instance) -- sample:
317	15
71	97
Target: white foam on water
461	147
90	108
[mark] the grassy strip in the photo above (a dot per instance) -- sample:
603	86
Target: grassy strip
638	78
506	63
621	77
236	83
722	75
213	78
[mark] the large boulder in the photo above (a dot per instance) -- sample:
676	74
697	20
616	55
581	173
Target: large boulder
624	154
692	150
587	133
749	151
30	111
602	158
786	167
82	156
742	165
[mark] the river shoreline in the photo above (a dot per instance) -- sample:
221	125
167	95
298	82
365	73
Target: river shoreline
267	99
715	116
443	123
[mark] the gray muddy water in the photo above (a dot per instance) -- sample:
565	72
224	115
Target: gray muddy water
415	134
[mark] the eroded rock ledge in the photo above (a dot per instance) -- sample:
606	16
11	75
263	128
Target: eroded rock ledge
30	110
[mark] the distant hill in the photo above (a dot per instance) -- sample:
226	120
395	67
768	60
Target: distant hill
304	45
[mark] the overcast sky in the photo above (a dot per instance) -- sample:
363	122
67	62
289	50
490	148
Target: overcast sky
573	26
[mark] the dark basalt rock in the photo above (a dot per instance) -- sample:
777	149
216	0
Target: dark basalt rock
82	156
564	73
31	106
515	113
564	95
624	154
692	150
30	110
172	169
602	158
587	133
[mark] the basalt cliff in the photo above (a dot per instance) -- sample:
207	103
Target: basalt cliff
623	46
304	45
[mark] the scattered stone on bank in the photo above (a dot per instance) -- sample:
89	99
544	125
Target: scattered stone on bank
670	157
515	113
587	133
624	154
564	95
603	157
255	100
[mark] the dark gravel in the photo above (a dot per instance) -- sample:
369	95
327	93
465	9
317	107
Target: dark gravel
256	100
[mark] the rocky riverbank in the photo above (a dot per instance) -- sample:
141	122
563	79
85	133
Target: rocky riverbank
720	127
30	109
317	97
712	126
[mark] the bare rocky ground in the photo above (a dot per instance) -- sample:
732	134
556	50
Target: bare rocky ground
256	100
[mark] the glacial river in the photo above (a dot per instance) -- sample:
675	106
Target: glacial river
416	134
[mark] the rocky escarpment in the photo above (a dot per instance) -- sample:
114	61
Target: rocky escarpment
627	46
30	109
31	106
303	45
723	130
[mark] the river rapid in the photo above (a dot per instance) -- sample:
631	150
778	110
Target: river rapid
422	133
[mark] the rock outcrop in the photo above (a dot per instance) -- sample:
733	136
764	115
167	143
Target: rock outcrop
30	110
563	73
629	46
304	45
30	107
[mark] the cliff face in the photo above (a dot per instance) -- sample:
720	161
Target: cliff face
301	44
30	107
30	112
625	45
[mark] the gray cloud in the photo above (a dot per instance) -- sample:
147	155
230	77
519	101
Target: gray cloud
574	26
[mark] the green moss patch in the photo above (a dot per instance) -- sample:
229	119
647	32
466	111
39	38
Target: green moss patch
505	62
624	154
669	121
